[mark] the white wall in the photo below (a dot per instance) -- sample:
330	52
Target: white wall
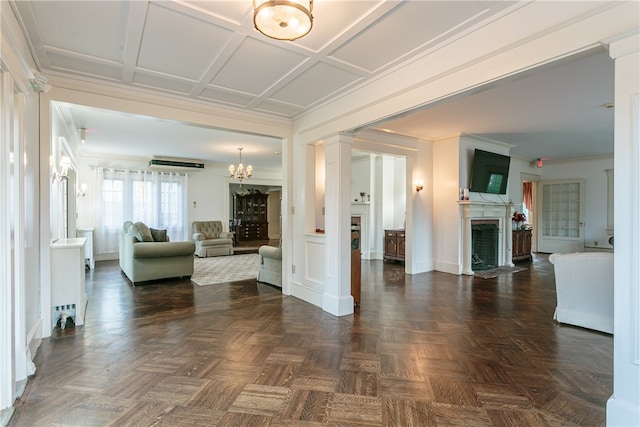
446	185
399	179
319	186
360	177
394	192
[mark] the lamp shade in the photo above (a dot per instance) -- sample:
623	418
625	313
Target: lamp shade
283	19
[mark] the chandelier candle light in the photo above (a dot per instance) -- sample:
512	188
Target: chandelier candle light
283	19
240	173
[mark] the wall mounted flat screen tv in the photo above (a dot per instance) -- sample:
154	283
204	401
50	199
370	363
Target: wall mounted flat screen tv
489	172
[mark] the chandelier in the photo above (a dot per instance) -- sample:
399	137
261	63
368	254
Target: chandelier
240	173
283	19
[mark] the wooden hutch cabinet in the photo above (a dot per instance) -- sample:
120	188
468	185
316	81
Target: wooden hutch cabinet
251	217
521	244
394	245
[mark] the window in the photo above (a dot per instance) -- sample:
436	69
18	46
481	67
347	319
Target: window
112	197
169	203
159	199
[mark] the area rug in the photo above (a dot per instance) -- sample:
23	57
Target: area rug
495	272
223	269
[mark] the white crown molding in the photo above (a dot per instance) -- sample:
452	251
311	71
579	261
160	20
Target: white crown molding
119	91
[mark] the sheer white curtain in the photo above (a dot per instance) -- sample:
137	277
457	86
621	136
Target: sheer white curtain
159	199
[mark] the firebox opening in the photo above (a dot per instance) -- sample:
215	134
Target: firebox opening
484	245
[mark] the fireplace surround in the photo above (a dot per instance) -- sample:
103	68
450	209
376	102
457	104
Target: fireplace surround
478	213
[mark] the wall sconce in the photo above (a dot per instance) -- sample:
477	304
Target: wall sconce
419	185
83	191
65	164
83	135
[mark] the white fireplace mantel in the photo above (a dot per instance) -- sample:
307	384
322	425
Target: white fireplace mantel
472	210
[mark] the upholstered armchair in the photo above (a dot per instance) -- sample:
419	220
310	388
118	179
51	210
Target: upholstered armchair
584	289
211	240
270	269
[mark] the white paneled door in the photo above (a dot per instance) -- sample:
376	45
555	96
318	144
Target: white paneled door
561	207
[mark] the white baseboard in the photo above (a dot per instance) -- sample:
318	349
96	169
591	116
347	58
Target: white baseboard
107	257
447	267
597	249
306	293
5	416
34	339
622	413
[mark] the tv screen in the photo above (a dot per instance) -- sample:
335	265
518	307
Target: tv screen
489	172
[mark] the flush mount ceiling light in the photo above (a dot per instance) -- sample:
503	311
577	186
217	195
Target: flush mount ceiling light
283	19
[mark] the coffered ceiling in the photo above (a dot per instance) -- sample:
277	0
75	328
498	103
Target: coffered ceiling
210	52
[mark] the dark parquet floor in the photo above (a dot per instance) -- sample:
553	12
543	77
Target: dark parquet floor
431	349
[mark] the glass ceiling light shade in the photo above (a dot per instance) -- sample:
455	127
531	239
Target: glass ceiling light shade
240	173
283	19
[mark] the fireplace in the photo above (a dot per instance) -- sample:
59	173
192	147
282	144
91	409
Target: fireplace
484	244
486	235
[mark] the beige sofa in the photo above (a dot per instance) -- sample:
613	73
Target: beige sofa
148	254
211	240
270	269
584	288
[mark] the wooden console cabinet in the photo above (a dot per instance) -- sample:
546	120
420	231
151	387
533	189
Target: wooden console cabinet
394	245
521	244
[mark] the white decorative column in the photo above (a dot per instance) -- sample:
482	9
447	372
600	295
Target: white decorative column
337	297
466	239
623	407
508	237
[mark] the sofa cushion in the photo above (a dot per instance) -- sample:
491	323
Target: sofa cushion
158	235
216	242
163	249
142	232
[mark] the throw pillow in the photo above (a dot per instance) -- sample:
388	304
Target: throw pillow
143	233
158	235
